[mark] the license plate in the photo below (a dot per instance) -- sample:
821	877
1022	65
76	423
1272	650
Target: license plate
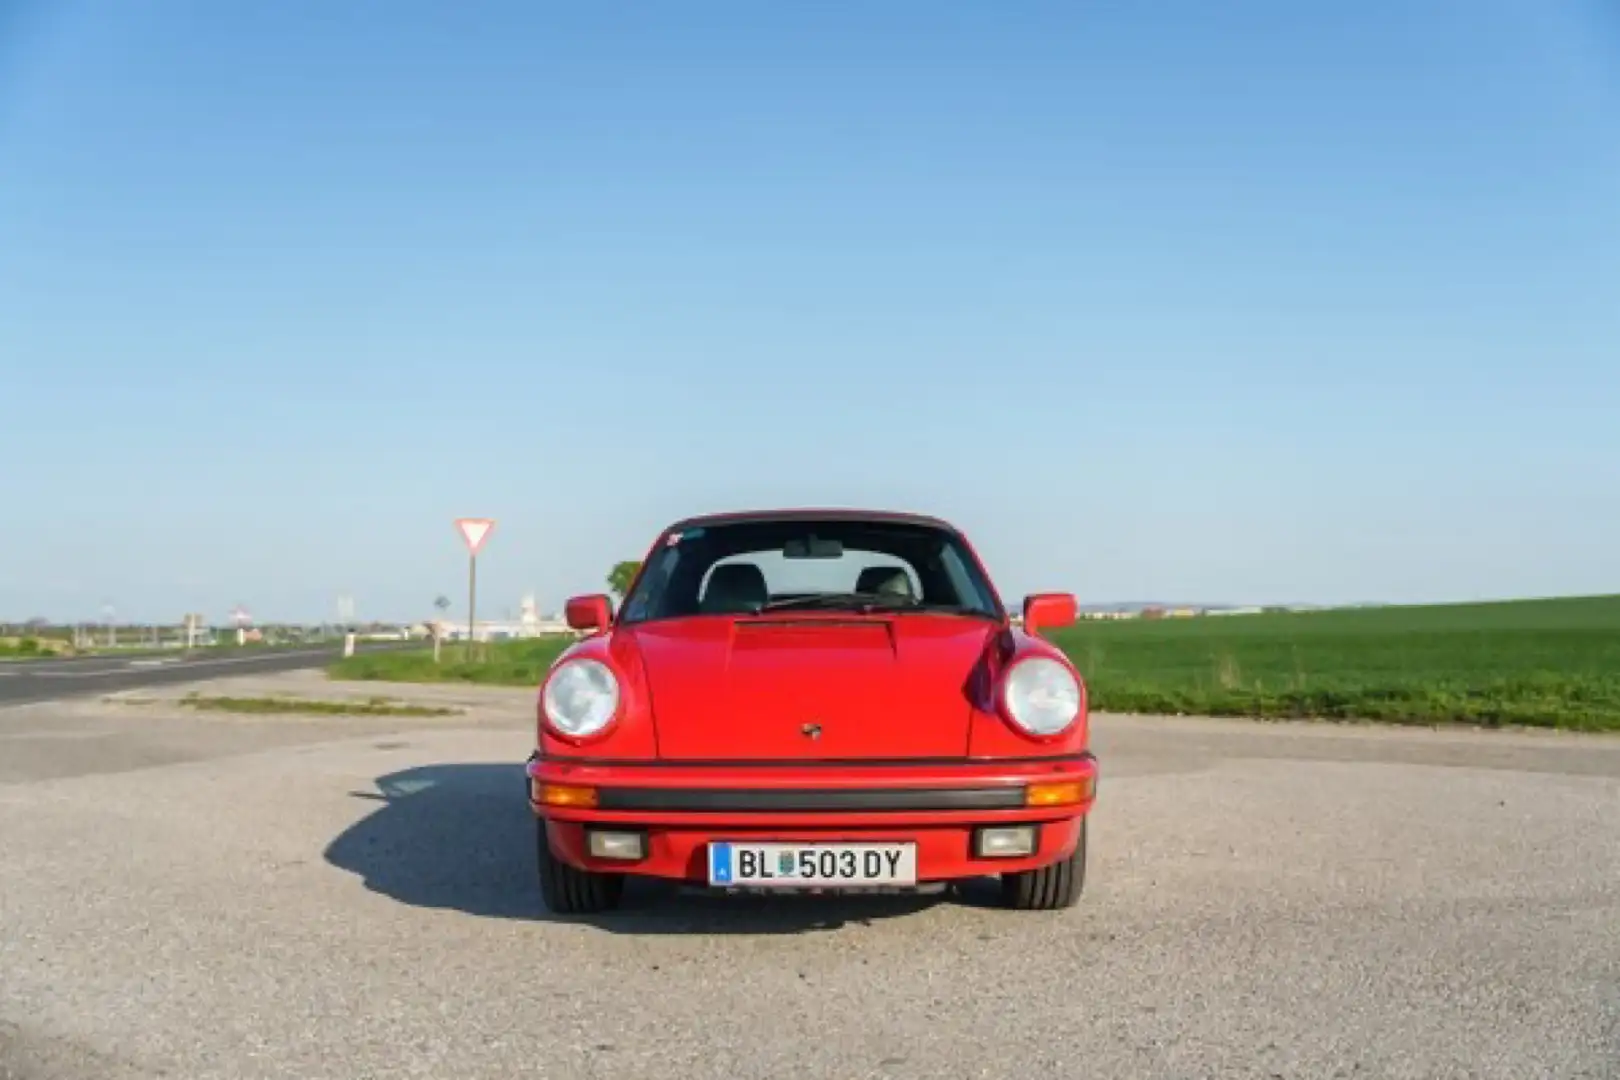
805	865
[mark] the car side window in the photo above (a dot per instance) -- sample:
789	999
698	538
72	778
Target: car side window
962	580
649	595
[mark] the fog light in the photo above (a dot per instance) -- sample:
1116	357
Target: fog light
628	846
1004	843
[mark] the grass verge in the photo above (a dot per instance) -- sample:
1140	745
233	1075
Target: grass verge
1534	663
33	648
376	706
502	663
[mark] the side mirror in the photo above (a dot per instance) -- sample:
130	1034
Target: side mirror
1042	610
593	612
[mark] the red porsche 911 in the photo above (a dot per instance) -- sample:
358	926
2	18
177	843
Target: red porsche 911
812	699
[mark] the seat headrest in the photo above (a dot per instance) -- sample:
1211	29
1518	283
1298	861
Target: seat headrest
735	588
885	581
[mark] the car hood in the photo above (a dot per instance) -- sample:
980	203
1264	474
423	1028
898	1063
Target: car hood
812	687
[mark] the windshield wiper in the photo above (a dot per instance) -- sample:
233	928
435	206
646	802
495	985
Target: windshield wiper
952	609
858	601
866	603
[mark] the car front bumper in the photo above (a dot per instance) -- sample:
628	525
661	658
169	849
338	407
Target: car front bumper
680	809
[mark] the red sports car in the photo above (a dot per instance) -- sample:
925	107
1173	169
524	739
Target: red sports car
812	699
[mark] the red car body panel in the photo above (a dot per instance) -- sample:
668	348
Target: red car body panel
713	737
879	687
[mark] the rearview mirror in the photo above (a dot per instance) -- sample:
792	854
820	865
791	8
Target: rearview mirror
812	547
1049	609
593	612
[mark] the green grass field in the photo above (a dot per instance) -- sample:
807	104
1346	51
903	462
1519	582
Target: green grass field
32	648
1539	663
1543	663
44	648
508	663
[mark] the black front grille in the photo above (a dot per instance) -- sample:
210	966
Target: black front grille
796	800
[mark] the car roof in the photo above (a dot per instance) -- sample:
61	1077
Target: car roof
738	517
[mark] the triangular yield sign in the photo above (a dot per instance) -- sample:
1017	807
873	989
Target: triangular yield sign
475	531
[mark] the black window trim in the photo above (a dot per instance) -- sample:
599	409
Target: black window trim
998	612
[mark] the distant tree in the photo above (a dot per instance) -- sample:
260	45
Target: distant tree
619	578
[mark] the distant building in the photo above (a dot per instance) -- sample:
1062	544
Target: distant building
530	623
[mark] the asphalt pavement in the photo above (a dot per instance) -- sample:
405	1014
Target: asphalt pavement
216	896
25	681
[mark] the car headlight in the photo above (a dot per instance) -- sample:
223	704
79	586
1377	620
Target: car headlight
1041	696
581	697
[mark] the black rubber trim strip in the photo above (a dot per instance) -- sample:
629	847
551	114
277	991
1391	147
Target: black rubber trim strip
797	800
811	763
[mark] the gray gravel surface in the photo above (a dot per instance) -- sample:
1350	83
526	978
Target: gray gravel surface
296	898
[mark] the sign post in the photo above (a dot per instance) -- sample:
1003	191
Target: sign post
475	531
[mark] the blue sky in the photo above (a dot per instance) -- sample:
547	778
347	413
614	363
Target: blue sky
1250	301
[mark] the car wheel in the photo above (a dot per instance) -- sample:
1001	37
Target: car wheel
1048	888
568	890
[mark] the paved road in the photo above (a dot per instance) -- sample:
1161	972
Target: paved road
324	899
24	681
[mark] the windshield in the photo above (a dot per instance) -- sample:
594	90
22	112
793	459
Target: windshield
856	565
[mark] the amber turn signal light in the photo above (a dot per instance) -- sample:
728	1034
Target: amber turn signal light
567	795
1058	793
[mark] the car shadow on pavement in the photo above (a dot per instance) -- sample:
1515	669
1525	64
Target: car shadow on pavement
462	838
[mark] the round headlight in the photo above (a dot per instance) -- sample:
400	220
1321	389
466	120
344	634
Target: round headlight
1042	696
581	697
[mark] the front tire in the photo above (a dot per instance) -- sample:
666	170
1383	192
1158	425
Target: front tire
1048	888
568	890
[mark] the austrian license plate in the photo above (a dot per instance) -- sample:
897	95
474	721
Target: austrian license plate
809	865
